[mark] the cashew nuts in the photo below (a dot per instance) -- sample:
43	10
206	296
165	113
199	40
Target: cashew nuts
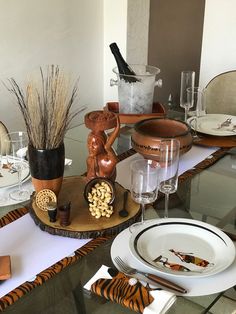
99	198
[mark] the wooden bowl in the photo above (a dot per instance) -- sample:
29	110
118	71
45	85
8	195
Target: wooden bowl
149	133
100	120
91	184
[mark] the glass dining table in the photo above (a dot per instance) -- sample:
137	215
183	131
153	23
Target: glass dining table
206	192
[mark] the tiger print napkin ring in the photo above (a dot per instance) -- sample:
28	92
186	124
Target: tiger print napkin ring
120	289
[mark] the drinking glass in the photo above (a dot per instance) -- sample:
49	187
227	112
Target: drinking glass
187	80
144	184
197	108
14	158
169	162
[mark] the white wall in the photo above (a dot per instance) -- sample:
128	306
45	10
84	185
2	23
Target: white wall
219	39
115	30
74	34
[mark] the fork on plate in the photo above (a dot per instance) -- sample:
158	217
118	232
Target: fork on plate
227	122
158	280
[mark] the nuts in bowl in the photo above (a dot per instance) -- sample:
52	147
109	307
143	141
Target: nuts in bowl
100	194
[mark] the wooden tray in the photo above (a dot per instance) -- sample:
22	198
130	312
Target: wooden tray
218	141
157	111
83	224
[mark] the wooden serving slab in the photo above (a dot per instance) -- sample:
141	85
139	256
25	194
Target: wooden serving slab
83	225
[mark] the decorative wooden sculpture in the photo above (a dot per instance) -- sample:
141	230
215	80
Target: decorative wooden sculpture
102	159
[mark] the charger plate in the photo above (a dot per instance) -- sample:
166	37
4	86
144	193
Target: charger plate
182	247
196	286
211	124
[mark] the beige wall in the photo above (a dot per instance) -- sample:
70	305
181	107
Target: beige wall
115	30
219	39
137	31
37	33
74	34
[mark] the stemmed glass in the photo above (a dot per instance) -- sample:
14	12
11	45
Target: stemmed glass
187	80
169	162
144	184
14	157
197	108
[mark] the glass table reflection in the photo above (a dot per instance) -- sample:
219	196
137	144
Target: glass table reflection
209	196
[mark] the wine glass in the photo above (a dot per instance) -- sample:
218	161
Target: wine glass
14	157
197	108
169	162
187	80
144	184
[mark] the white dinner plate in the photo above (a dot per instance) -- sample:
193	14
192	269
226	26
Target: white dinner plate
182	247
196	286
211	124
9	179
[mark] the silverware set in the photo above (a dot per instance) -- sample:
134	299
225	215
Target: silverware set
153	278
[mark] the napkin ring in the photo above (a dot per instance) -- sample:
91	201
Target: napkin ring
118	289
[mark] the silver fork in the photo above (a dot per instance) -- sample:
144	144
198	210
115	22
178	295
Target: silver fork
227	122
159	280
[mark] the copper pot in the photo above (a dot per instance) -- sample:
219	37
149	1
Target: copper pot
148	134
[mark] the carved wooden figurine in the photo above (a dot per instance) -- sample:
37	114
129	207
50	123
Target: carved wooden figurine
102	159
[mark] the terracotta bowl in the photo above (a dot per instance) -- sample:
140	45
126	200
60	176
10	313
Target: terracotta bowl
91	184
148	134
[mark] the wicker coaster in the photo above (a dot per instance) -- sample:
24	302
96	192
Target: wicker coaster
44	197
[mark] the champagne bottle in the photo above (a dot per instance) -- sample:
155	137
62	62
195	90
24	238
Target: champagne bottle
122	65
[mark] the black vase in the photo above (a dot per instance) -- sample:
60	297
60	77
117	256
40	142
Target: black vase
47	167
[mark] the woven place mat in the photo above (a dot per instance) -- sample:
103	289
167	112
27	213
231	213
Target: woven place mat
25	288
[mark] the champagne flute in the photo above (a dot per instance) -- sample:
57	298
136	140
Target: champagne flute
169	162
187	80
144	184
197	108
15	161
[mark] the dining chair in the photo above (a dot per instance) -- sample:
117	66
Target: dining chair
3	132
220	94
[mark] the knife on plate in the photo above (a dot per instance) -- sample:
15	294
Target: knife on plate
153	279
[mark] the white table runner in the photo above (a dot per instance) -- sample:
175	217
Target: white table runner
187	161
33	250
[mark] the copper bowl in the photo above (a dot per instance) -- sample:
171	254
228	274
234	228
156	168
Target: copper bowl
148	134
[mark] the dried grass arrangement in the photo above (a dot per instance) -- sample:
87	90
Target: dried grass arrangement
46	106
